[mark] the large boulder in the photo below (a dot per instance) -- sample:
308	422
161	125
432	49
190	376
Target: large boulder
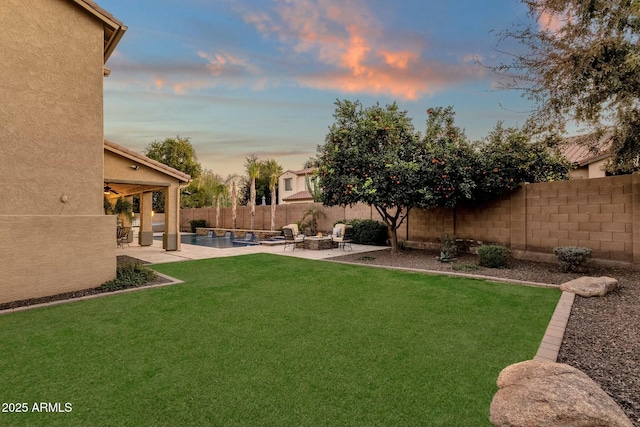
590	286
536	393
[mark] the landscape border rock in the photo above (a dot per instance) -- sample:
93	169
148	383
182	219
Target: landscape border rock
537	393
590	286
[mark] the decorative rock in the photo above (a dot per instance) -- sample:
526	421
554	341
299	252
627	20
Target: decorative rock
590	286
536	393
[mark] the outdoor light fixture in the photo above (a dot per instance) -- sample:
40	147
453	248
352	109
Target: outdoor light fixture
135	167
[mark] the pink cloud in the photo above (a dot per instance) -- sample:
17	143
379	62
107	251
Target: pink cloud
348	40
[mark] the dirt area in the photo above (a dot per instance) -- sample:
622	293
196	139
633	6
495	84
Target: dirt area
603	334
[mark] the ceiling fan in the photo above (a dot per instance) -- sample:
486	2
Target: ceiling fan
108	189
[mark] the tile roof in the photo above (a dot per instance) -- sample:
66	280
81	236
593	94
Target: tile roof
306	171
300	195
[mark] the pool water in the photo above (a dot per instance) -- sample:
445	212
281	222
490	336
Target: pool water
211	242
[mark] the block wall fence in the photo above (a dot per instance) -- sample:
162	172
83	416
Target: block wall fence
601	213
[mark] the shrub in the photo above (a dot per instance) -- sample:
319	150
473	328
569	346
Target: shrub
464	266
448	249
493	256
195	223
571	258
367	231
129	275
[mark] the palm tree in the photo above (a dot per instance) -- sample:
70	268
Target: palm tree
253	170
233	189
220	190
312	223
273	170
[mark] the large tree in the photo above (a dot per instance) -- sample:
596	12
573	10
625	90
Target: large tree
581	63
177	153
373	155
507	158
450	164
203	191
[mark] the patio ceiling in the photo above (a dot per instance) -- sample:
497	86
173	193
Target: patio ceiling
128	189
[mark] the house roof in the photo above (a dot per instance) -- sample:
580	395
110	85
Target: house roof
299	196
146	161
577	149
306	171
113	28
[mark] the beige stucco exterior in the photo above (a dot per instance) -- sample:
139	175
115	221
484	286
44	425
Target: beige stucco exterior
292	187
130	173
54	236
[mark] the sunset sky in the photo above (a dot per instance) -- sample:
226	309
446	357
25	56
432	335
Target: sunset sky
259	76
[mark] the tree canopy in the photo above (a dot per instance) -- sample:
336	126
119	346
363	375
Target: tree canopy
177	153
374	156
581	63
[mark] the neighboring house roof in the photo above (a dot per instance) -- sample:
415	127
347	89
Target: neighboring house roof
113	28
141	158
300	195
306	171
577	148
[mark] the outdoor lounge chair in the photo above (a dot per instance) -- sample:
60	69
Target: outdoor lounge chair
290	239
122	236
343	235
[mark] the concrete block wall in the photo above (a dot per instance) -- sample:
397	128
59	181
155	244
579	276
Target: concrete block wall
599	213
285	214
595	213
489	222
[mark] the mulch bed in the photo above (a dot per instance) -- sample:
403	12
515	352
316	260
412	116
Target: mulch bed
77	294
602	338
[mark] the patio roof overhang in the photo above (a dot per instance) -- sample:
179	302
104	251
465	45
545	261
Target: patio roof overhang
127	173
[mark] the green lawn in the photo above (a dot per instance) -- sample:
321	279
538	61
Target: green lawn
272	340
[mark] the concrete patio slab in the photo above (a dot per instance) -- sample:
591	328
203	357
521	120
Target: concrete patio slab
154	254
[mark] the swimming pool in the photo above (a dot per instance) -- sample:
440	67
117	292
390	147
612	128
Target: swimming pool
211	242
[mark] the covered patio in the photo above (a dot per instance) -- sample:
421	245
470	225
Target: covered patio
128	173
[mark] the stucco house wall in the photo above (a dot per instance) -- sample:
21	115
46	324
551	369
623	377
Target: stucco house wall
298	192
53	234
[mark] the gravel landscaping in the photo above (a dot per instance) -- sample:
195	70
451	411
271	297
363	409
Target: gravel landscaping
602	338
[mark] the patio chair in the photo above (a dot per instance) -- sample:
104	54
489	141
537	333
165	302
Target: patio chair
122	236
344	236
290	239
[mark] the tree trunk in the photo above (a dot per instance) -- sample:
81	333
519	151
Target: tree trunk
273	208
394	239
234	203
218	212
252	202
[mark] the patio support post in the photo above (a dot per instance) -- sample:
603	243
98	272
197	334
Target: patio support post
145	236
171	237
128	221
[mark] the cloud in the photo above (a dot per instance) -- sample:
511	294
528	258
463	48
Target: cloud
203	70
355	52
